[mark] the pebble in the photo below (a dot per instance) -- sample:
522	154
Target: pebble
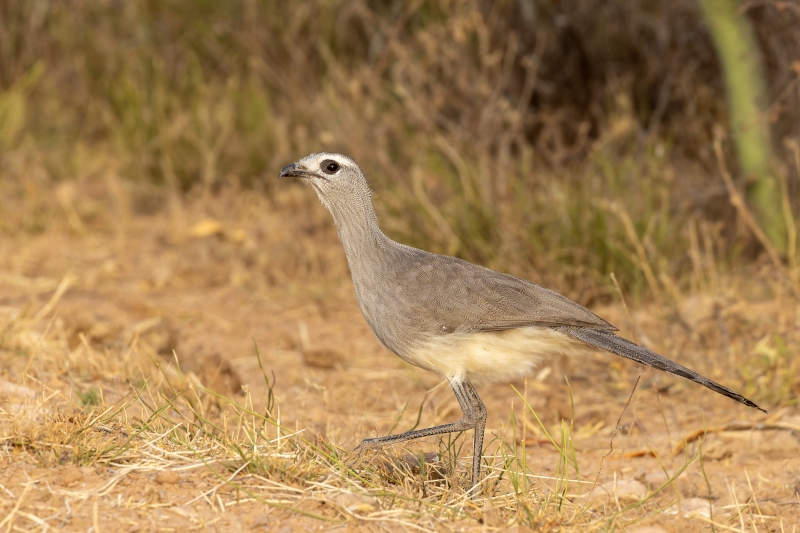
691	506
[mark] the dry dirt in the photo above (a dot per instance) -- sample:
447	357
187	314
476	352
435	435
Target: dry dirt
203	279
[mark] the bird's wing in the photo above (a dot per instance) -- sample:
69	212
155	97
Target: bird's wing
465	297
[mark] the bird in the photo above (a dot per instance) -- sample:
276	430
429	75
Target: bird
462	321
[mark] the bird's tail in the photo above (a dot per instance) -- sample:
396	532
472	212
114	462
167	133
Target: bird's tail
616	344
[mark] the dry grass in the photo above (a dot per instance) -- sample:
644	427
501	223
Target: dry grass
134	394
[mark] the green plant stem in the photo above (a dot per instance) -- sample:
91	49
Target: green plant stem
739	54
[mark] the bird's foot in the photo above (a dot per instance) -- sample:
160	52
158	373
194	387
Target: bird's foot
368	444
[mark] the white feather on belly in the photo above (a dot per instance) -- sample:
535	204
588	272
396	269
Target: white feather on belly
490	357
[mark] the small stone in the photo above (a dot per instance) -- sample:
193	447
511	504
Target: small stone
9	389
356	502
691	506
656	479
167	477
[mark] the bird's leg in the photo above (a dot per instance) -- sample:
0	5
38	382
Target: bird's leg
474	418
480	428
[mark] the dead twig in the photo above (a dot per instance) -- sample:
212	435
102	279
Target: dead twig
741	207
732	426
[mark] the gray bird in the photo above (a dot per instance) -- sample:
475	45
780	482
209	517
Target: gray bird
463	321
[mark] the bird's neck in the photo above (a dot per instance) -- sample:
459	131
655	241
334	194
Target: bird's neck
358	230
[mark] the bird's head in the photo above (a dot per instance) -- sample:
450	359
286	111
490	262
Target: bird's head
341	187
329	174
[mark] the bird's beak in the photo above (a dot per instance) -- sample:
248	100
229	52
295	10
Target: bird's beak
293	171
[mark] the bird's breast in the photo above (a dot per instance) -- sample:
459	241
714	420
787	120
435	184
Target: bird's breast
490	357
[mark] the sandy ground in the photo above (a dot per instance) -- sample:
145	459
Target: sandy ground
204	279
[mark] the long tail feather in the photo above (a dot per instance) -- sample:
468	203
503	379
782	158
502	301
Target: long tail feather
620	346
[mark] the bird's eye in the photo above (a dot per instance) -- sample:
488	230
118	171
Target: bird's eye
329	166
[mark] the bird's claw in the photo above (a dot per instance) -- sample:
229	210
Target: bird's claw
366	444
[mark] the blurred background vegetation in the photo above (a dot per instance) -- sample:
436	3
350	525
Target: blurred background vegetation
558	140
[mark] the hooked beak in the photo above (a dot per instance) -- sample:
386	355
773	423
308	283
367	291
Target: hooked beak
293	171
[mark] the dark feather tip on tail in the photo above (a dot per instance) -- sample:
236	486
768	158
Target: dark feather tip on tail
608	341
